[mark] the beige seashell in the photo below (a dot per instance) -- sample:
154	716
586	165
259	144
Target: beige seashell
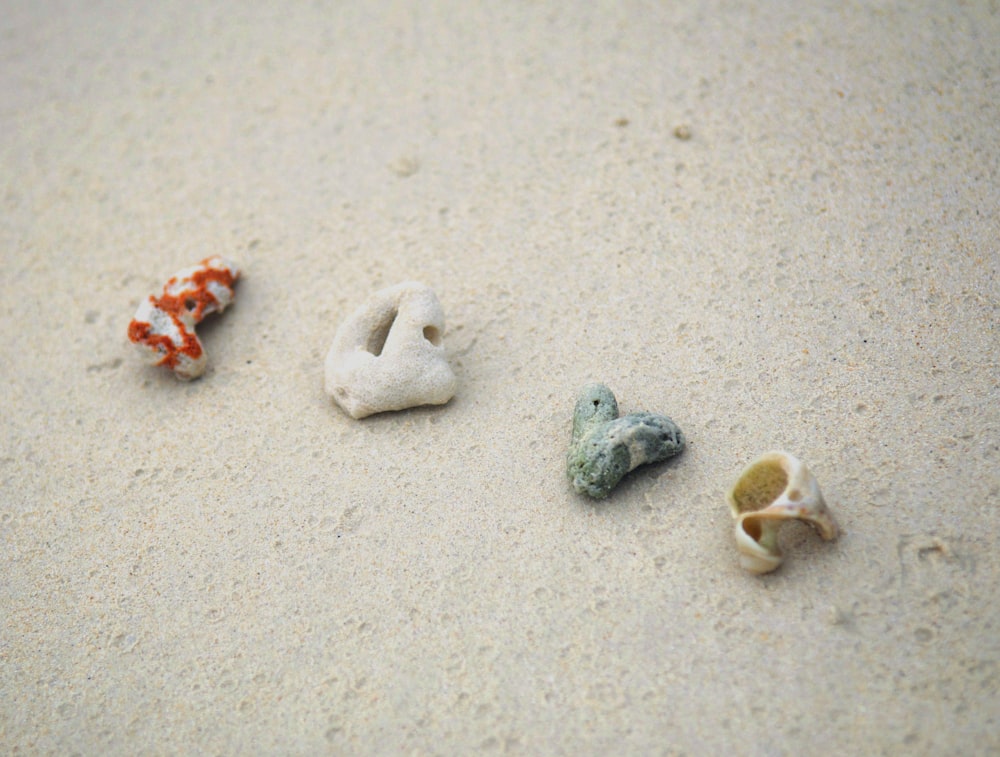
773	489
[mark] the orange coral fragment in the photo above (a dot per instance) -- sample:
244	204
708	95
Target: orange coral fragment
163	327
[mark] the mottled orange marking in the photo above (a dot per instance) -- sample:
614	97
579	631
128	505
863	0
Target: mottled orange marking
192	301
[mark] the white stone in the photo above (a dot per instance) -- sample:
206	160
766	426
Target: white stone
389	355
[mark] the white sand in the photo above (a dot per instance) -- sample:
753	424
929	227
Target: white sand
235	566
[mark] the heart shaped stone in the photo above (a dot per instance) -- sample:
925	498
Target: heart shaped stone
605	447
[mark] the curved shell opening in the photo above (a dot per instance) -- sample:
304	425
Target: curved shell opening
760	486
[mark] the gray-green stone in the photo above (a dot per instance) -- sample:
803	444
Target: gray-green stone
605	447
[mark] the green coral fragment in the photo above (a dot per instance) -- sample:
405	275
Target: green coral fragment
605	447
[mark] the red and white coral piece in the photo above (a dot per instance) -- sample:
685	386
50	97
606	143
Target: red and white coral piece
163	327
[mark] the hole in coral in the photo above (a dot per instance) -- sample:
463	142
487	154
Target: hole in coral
376	340
432	335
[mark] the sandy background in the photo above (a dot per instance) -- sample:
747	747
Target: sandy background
235	566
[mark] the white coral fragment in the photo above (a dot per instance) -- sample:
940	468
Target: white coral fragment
389	355
775	488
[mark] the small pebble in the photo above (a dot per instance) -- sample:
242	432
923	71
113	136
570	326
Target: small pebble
605	447
163	327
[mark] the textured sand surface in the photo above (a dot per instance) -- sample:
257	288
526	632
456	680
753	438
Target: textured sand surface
235	566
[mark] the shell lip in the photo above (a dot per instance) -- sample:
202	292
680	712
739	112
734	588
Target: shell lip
824	523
